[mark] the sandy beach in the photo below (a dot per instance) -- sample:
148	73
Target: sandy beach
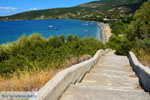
106	32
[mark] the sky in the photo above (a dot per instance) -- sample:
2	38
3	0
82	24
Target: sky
10	7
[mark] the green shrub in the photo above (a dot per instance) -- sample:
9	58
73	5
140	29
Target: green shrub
76	38
37	52
139	29
121	44
62	38
119	27
69	38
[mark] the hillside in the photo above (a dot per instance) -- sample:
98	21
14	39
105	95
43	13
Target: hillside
98	9
28	63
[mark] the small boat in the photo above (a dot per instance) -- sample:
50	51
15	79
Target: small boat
55	28
50	26
59	24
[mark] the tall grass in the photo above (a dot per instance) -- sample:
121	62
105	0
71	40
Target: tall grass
34	79
143	56
26	81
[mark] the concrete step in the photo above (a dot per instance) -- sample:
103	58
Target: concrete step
114	72
112	67
115	60
123	88
110	80
86	92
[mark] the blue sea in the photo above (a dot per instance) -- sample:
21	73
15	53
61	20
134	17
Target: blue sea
11	30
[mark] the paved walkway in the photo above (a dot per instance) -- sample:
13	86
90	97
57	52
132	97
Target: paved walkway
111	79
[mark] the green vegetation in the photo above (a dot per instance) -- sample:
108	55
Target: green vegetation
139	31
96	10
121	44
119	28
134	36
37	52
38	59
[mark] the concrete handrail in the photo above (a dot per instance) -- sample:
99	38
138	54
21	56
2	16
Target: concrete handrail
57	85
142	72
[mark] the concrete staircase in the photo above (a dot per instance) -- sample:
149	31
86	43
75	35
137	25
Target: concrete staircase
111	78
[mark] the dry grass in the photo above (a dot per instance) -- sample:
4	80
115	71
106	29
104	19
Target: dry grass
76	60
144	57
145	60
26	81
35	79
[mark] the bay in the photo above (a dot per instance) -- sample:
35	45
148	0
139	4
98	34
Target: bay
11	30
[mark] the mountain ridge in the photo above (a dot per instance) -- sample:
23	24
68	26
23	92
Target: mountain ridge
102	8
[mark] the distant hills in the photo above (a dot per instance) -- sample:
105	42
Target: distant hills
96	9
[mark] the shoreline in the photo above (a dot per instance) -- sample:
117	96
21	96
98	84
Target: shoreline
106	31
